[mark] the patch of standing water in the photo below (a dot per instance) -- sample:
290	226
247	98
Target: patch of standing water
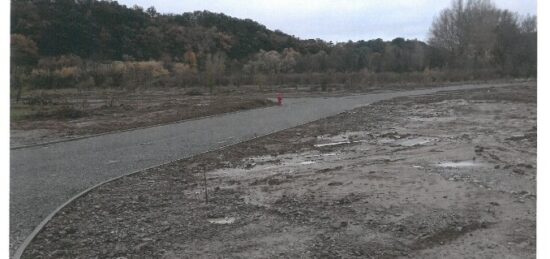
222	221
341	139
467	163
332	144
416	141
307	163
432	119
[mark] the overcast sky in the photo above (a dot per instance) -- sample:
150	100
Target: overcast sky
332	20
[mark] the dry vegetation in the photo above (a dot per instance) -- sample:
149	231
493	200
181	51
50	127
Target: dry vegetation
58	45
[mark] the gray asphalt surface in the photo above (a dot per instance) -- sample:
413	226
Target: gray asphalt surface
44	177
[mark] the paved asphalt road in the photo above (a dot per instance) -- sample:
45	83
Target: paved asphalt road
44	177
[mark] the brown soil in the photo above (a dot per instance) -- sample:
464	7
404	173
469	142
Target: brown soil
445	175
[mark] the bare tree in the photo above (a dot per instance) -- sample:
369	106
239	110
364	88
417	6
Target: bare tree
214	67
24	54
447	30
466	31
529	24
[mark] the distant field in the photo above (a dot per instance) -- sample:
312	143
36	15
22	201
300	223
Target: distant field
51	115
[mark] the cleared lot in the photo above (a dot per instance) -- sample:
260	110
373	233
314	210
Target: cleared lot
451	173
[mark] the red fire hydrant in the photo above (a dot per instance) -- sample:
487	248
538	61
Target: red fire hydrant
280	99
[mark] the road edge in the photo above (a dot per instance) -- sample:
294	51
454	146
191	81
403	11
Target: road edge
138	128
21	249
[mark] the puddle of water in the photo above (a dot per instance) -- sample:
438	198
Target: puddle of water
307	163
343	139
356	135
416	142
433	119
282	164
332	144
266	165
222	221
468	163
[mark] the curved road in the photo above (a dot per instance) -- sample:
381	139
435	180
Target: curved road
44	177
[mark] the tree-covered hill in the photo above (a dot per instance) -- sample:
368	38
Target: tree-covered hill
108	30
76	43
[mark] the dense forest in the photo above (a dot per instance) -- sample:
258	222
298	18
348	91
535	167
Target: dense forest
90	43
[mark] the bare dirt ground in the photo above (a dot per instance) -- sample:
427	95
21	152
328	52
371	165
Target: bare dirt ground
451	175
46	116
60	114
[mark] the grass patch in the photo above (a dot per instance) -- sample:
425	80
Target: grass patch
18	113
22	112
62	112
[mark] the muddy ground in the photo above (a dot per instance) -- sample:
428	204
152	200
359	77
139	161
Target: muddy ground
58	114
44	116
450	175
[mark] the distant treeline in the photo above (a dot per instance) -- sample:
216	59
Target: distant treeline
89	43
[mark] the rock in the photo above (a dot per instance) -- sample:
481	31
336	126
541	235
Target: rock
274	181
141	198
478	149
337	225
518	171
69	230
142	246
120	248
